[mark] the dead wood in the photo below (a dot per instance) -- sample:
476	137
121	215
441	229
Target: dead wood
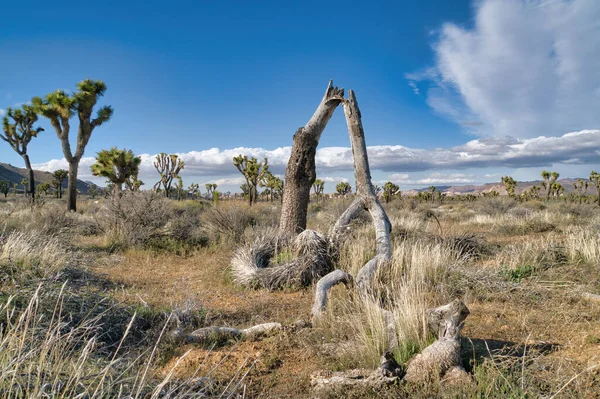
442	355
300	172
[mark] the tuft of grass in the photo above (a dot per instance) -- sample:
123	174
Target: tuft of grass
24	255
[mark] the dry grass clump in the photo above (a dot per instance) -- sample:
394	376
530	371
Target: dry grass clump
274	262
49	356
524	260
32	254
583	245
51	219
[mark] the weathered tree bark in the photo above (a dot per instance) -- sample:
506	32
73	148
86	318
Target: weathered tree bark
366	194
443	355
31	182
323	287
300	173
72	185
366	199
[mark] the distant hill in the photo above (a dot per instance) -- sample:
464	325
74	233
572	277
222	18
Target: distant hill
14	174
499	187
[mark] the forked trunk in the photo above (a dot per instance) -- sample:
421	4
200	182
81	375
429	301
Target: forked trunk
300	173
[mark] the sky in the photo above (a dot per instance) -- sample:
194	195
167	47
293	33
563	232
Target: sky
451	92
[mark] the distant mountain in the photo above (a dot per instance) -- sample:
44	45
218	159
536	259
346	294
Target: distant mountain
499	187
14	175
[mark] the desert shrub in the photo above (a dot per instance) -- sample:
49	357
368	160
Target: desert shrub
228	223
133	219
182	234
526	225
495	205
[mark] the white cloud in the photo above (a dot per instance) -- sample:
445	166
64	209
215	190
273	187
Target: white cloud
414	87
526	68
333	179
229	181
433	178
577	148
2	112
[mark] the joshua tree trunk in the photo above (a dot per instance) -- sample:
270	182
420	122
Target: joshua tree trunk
72	185
31	183
300	173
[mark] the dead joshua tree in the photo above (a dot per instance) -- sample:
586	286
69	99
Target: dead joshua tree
253	264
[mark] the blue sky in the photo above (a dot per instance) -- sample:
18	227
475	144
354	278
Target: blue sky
430	76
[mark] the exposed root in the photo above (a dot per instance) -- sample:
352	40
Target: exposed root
323	287
444	354
387	374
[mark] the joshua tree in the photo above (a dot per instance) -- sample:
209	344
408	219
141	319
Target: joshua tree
168	167
245	190
549	179
431	193
581	187
273	183
133	183
318	188
15	187
510	185
18	134
254	172
194	190
59	177
179	188
117	166
59	107
389	190
43	188
25	184
93	191
4	188
557	189
343	188
210	190
595	179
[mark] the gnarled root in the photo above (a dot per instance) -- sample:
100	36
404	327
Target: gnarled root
324	285
442	357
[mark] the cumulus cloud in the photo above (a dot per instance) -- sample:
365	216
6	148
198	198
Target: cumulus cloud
577	148
2	112
525	68
333	179
433	178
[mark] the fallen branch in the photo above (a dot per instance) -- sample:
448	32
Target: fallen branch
219	334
